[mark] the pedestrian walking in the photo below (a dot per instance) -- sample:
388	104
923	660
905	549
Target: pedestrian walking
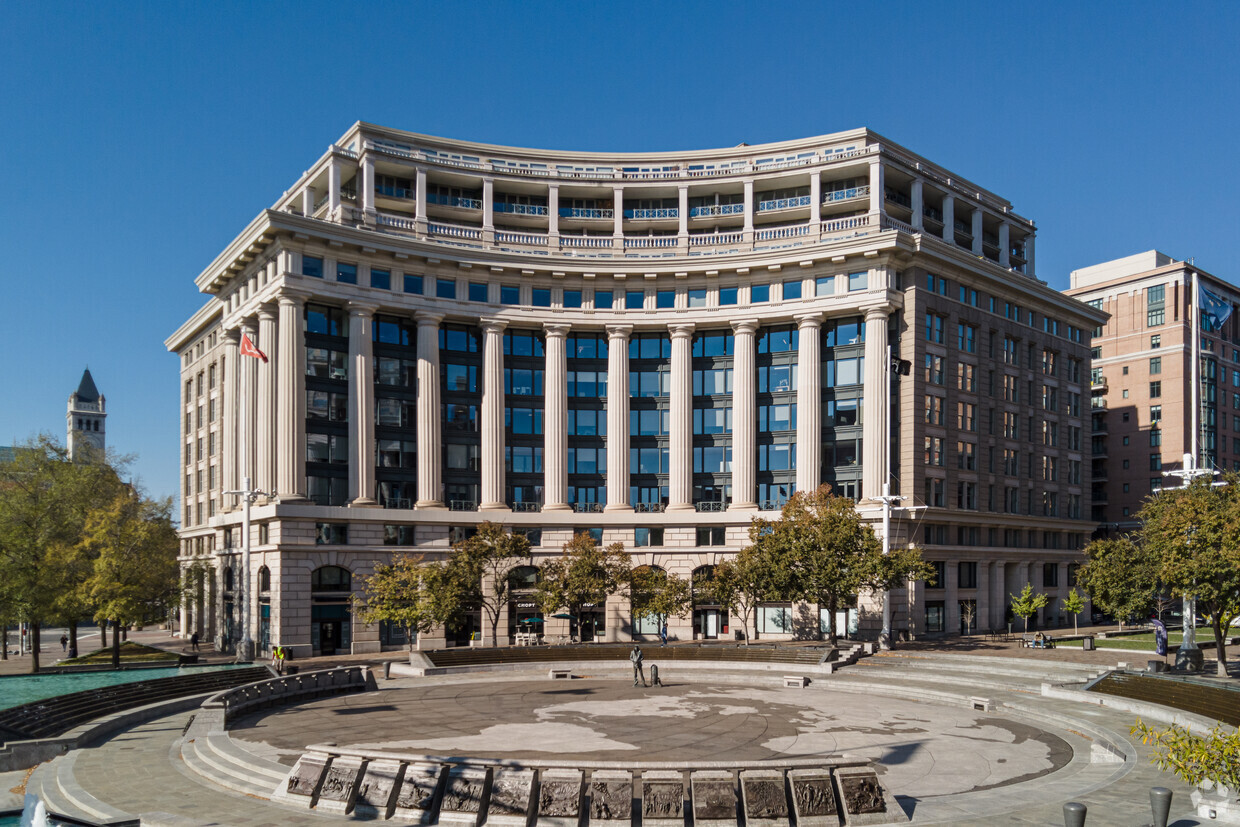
281	656
193	641
663	633
636	658
64	643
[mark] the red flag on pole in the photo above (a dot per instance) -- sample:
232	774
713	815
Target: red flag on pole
248	349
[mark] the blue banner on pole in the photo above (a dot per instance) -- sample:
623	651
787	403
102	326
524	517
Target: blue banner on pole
1160	637
1213	308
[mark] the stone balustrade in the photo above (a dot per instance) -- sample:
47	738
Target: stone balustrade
290	689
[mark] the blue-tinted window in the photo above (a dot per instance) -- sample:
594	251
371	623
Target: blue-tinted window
509	294
477	291
858	281
603	299
381	279
572	298
727	295
346	273
697	298
413	284
759	293
445	288
824	285
540	297
633	299
792	289
312	266
665	299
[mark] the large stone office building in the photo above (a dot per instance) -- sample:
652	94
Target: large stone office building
653	348
1141	381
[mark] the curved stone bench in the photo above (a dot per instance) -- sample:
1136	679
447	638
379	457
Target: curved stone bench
288	689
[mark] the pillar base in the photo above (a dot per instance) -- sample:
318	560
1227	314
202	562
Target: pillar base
245	651
681	507
285	499
364	502
743	507
558	507
422	505
494	507
1189	660
617	507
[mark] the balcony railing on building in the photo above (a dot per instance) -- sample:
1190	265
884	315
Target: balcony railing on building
650	508
653	214
520	209
462	505
846	194
526	508
783	203
587	508
710	506
586	212
454	201
716	209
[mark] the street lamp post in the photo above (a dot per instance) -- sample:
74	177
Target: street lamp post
248	495
1189	657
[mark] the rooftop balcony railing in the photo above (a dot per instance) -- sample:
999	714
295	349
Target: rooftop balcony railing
845	195
462	505
582	212
650	508
653	214
520	209
396	192
783	203
526	508
454	201
897	197
716	209
587	508
710	505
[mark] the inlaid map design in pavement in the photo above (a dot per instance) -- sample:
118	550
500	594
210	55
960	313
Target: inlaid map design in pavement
923	749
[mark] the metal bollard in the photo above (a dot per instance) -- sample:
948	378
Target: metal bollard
1160	803
387	670
654	675
1074	814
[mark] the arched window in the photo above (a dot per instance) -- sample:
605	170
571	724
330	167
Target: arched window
331	579
703	577
264	579
645	580
523	578
228	578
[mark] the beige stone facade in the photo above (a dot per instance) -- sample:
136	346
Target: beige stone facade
1142	381
652	347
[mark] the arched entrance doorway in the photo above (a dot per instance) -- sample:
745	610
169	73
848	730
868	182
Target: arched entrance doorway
645	625
525	621
330	619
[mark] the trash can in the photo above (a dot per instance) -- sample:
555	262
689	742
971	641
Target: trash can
1087	643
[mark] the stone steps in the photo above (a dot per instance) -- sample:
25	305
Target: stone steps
269	772
229	766
981	667
63	796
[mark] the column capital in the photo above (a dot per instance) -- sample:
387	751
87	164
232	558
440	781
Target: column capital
232	336
681	330
249	324
809	320
427	318
361	308
619	331
556	330
882	311
746	326
490	324
267	311
289	296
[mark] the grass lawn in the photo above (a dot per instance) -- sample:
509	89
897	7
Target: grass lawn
130	653
1146	641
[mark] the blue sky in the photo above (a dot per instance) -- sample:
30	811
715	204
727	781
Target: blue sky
141	137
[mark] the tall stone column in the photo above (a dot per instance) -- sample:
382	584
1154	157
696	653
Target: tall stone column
917	197
949	218
682	213
333	187
553	215
1030	270
815	201
977	231
618	418
982	615
750	208
230	413
998	596
1005	244
361	405
419	201
617	213
430	448
291	399
877	403
809	403
680	425
493	416
744	418
249	388
877	185
183	625
555	429
366	185
265	409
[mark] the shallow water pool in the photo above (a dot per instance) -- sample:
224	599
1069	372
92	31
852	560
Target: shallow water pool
16	690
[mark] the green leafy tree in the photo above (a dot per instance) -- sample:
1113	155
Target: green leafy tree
882	573
482	564
44	500
1195	759
1193	536
1073	604
135	578
754	576
658	594
410	593
583	574
1026	605
1120	576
